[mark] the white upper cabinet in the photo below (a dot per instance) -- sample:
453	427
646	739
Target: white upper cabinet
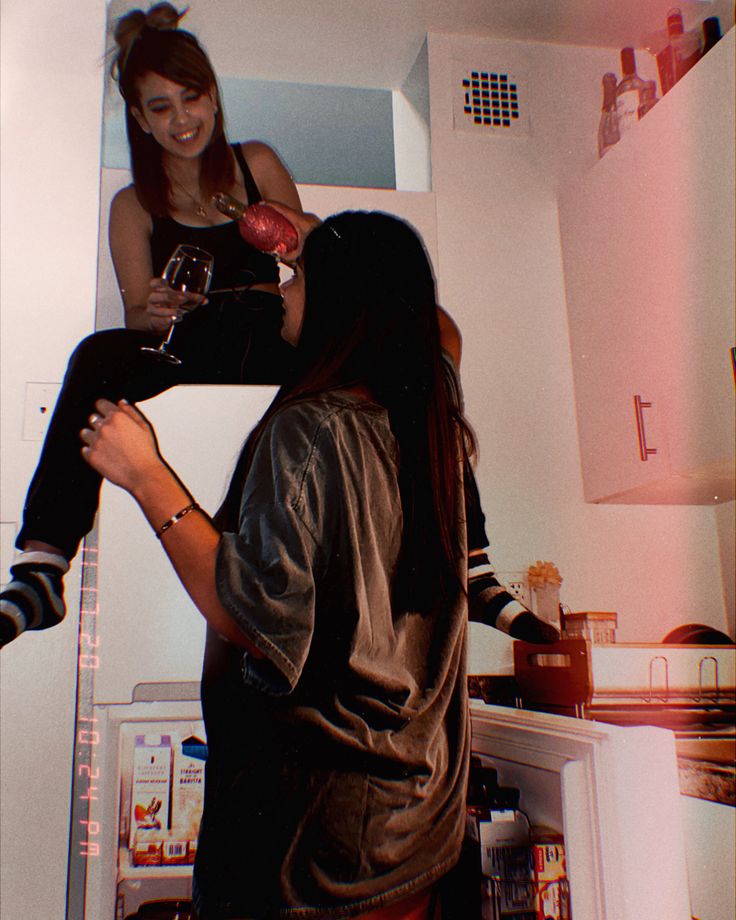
648	249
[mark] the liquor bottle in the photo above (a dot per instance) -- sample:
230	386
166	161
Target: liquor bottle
608	134
711	32
686	46
260	225
682	52
648	98
628	92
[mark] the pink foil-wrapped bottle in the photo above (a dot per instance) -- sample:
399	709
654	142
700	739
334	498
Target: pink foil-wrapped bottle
260	225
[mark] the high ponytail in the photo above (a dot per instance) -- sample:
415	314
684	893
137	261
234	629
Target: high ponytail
129	28
152	43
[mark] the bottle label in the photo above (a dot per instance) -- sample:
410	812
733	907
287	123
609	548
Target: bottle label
627	107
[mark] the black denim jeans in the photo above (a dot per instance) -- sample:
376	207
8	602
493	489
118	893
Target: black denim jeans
227	341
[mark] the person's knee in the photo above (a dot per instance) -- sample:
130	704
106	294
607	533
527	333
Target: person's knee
98	348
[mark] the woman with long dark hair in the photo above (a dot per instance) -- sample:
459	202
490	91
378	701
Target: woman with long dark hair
180	156
333	583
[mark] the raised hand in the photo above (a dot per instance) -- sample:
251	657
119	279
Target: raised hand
121	445
303	223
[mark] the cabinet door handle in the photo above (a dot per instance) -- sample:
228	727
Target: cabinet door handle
639	406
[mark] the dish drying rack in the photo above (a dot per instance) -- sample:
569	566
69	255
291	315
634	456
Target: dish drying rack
637	681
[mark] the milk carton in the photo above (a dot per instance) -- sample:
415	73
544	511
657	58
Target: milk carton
150	799
188	791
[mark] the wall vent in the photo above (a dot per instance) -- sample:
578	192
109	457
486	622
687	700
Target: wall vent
490	99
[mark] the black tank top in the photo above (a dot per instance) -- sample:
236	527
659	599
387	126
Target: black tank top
236	262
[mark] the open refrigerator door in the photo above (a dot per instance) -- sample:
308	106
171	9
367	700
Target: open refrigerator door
139	745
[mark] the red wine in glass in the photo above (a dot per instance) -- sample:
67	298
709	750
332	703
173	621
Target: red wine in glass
188	270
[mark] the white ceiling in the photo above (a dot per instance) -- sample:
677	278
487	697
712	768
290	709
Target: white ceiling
375	42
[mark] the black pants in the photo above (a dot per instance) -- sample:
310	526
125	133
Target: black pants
227	341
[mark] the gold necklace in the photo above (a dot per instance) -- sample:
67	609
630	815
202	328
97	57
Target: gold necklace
199	209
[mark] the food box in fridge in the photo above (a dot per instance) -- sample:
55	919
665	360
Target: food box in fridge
188	788
191	851
174	850
187	791
551	900
147	848
151	787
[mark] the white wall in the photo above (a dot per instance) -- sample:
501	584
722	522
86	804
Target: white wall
501	276
412	154
500	273
51	85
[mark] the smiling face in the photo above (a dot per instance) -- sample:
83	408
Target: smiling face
292	292
180	119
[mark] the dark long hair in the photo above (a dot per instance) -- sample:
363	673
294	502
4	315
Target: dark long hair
152	43
371	318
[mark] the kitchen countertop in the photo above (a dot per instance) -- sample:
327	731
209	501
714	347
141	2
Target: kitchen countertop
707	768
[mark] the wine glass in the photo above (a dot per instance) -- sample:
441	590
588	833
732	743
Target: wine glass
189	269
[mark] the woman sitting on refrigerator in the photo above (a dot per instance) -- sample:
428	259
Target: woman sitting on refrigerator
180	157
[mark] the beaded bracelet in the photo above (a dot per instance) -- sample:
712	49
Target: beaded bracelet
176	518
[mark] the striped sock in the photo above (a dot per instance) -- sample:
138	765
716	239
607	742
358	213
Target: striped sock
489	602
34	598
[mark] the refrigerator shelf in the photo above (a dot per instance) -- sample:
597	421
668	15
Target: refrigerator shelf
126	869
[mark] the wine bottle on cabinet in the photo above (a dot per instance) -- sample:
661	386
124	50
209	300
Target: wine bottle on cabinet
608	133
711	32
685	50
648	98
688	46
629	92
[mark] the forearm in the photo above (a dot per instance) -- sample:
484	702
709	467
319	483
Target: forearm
191	546
450	338
137	318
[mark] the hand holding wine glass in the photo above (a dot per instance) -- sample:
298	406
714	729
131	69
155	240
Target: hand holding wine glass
189	270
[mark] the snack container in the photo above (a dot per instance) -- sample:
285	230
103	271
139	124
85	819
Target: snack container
191	851
550	887
147	848
597	626
506	874
174	851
